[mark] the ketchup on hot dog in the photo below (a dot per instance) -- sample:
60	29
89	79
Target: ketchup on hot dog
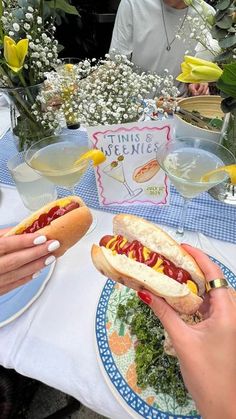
46	218
135	250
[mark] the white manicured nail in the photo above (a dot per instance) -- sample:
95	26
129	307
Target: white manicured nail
40	240
49	260
54	246
36	274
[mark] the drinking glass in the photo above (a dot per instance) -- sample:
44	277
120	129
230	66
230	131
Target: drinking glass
56	159
34	190
185	160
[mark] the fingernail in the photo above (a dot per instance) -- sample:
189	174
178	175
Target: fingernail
54	246
49	260
40	240
146	298
36	274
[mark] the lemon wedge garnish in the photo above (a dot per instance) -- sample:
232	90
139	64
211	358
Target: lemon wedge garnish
97	156
231	170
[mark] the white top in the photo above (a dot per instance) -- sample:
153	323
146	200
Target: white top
139	32
54	340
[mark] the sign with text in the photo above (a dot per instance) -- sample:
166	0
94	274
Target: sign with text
131	174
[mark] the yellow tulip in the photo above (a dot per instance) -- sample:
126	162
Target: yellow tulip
196	70
15	53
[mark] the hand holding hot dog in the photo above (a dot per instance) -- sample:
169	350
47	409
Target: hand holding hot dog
206	351
22	257
66	220
39	239
141	255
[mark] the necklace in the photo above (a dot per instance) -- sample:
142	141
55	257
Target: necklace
169	43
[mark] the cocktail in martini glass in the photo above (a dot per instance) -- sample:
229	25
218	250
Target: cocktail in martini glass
186	161
63	159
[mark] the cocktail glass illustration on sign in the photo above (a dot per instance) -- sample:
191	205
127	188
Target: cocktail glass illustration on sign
186	161
115	170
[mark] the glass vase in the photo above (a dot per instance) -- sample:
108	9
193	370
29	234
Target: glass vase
28	121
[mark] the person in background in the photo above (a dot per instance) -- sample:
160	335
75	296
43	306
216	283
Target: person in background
150	34
206	351
22	257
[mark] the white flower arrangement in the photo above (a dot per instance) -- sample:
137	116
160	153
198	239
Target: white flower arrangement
110	91
199	27
26	23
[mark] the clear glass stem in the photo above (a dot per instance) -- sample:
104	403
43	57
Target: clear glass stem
180	229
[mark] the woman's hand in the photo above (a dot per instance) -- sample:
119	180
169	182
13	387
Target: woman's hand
197	89
22	257
206	351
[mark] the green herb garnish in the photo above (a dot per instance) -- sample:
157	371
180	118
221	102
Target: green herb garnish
154	367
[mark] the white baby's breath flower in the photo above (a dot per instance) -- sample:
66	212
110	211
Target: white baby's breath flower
29	16
16	27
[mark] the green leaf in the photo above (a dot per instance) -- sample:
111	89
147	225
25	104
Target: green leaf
218	33
219	14
228	42
227	82
223	4
225	22
63	5
224	57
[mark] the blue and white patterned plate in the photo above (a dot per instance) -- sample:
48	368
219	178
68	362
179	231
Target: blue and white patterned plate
116	349
16	302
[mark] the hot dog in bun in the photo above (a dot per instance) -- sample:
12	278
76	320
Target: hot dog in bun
142	256
66	220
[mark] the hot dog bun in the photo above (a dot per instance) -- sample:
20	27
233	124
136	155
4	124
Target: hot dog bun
139	276
67	229
146	171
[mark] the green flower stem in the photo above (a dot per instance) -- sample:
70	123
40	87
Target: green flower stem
21	77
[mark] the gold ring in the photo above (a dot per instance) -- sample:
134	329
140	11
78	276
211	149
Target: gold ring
216	283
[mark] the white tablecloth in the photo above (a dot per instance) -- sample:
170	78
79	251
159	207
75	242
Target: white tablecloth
54	341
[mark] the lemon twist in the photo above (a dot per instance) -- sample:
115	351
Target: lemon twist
231	170
97	156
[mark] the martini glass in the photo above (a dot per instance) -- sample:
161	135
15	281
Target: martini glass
185	161
56	159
